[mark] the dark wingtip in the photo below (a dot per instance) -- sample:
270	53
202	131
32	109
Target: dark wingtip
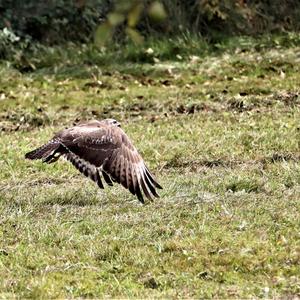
140	198
139	194
158	186
30	155
98	180
107	178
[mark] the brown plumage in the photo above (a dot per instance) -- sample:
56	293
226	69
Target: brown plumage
101	147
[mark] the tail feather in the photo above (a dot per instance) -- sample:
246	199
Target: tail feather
44	151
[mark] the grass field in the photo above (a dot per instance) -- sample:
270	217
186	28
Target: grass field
221	132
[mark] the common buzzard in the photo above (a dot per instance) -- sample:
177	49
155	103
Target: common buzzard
101	147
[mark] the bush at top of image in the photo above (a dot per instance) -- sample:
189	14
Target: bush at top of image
54	22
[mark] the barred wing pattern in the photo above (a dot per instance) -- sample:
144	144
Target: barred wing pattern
101	147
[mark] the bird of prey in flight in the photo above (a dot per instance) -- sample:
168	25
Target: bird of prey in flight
102	148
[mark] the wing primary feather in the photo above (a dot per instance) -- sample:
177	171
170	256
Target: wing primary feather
131	189
132	186
141	184
138	186
123	179
112	168
85	168
129	178
130	171
150	185
127	174
118	170
150	176
139	194
98	180
134	174
107	178
145	188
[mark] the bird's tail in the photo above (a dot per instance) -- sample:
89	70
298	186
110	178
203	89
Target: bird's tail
45	152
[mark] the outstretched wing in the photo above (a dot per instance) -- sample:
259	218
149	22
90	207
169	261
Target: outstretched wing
85	168
127	167
91	143
109	147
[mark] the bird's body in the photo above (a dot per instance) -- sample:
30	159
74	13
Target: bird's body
101	147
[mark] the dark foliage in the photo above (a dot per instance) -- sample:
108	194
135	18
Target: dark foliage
53	21
57	21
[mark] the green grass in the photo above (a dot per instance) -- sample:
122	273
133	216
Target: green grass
221	132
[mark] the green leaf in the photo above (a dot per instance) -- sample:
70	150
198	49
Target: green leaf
157	11
136	37
115	18
102	34
134	14
123	6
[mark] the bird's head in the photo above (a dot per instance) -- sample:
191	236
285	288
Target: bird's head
112	122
